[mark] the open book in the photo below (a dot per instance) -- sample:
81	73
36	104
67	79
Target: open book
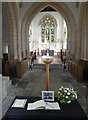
41	104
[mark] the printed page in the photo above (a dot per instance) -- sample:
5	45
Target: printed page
40	104
19	103
52	105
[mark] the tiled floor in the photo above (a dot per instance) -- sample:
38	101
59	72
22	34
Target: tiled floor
33	82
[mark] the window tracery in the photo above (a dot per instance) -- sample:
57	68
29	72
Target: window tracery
48	28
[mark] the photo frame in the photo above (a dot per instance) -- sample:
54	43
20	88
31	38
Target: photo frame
48	95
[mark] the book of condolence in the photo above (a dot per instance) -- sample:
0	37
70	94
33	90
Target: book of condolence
41	104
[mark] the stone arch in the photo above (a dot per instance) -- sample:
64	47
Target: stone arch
64	11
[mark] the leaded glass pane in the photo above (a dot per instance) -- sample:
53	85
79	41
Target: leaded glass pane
47	30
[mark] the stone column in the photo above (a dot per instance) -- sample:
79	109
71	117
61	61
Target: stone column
14	28
15	44
69	45
23	41
18	32
82	52
0	60
11	46
87	31
73	45
27	44
12	43
79	35
77	46
11	27
83	38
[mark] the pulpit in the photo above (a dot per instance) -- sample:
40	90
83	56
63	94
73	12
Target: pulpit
47	61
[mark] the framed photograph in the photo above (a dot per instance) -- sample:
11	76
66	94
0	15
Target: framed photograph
48	95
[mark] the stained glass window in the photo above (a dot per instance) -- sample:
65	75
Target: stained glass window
48	30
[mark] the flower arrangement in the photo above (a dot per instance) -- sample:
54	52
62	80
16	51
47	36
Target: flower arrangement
66	95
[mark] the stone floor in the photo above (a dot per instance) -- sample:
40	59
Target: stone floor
33	82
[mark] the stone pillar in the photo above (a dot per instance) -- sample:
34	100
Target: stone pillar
81	52
83	38
0	37
15	44
18	32
79	35
69	45
78	44
73	46
27	44
4	31
14	30
0	91
87	31
23	41
19	43
0	60
11	27
12	45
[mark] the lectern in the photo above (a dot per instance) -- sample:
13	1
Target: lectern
47	61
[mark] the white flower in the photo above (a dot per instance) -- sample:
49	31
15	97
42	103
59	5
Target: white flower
73	96
65	91
66	97
60	89
63	96
67	88
69	101
76	96
59	92
68	93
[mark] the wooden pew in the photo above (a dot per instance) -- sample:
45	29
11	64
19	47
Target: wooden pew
22	67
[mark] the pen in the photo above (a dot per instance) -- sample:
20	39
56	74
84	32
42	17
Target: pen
49	105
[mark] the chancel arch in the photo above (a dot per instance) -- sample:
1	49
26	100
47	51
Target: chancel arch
67	15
